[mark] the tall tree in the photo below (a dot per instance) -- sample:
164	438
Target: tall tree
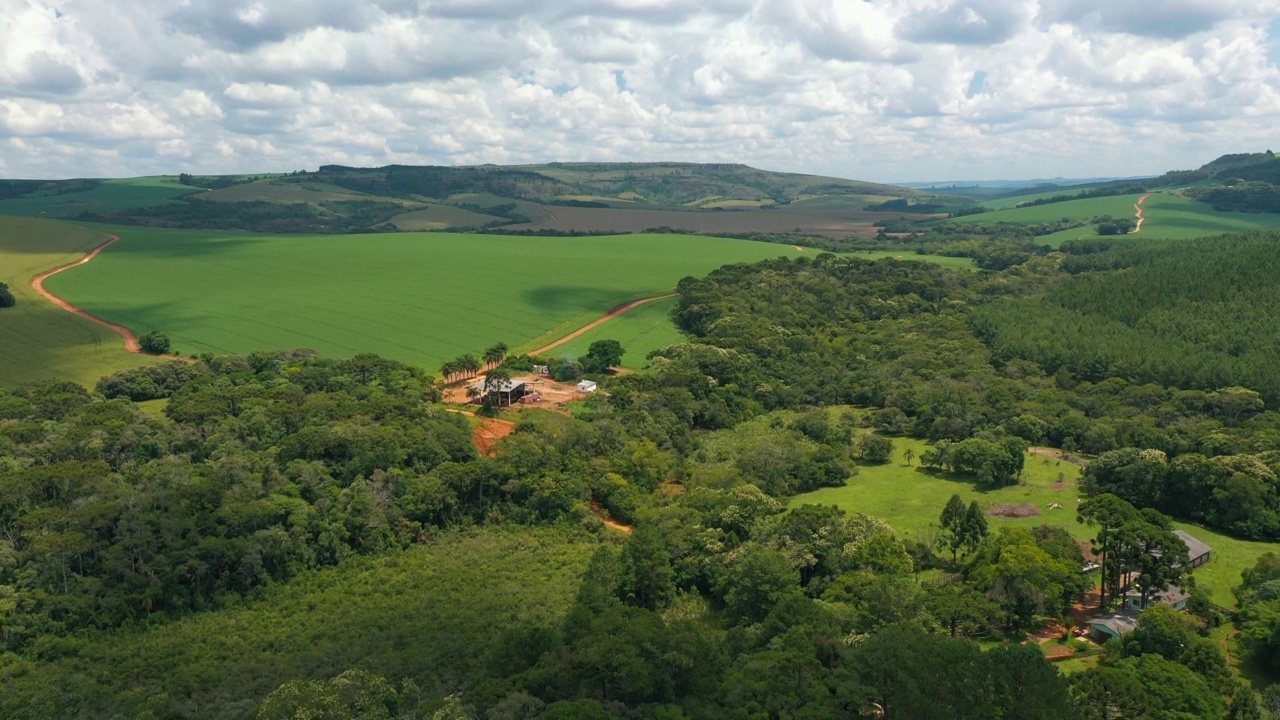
1108	513
952	521
973	527
496	354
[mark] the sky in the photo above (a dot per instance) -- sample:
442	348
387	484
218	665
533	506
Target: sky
883	90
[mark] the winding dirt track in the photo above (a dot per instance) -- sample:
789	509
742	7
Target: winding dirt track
1137	210
598	322
37	284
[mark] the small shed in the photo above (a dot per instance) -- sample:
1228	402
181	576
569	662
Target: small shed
1114	625
1197	552
587	386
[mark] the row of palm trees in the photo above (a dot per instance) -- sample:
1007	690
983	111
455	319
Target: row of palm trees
468	366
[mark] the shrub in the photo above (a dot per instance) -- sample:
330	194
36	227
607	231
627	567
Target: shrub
6	297
154	342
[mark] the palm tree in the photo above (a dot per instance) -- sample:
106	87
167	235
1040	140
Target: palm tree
470	364
495	355
448	369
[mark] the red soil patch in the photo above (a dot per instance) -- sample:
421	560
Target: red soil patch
599	321
604	518
487	434
1009	511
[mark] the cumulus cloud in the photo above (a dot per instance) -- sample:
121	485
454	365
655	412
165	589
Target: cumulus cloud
881	90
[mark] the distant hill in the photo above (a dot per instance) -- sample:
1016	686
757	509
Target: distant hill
1245	182
555	198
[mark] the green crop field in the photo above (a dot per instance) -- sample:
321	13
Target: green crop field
419	298
440	217
284	192
1174	217
1118	206
909	498
433	613
641	330
111	195
37	340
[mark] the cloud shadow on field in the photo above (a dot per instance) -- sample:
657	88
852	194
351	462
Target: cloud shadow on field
562	297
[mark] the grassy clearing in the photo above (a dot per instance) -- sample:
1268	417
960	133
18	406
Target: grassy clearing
909	498
111	195
433	613
419	298
37	340
641	330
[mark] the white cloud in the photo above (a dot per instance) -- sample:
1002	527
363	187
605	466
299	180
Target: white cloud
874	90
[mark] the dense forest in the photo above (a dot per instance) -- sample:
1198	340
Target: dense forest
262	471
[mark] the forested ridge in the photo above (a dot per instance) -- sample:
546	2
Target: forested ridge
264	470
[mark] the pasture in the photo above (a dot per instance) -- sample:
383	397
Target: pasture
419	298
432	612
911	498
37	340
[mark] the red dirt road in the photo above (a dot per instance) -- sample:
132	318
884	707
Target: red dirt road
37	284
1137	210
487	434
599	321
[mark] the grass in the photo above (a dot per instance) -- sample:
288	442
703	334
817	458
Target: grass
1168	217
37	340
1117	206
420	298
641	330
909	498
433	613
111	195
285	192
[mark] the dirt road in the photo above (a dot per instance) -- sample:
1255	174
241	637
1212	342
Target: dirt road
1137	210
37	284
487	434
599	321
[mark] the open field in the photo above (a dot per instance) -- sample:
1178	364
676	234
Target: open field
433	613
111	195
1117	206
641	330
37	340
833	216
439	217
1168	217
419	298
909	498
283	192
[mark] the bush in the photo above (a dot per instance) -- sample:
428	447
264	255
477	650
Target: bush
154	342
6	297
1116	227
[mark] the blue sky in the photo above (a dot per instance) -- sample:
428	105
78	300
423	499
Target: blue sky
891	90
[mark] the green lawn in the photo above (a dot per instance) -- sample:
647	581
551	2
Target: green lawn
433	613
910	498
420	298
37	340
641	330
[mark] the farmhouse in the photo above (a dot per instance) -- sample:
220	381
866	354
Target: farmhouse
510	391
587	386
1120	623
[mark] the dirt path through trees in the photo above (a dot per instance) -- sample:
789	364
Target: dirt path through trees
37	284
487	434
599	321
